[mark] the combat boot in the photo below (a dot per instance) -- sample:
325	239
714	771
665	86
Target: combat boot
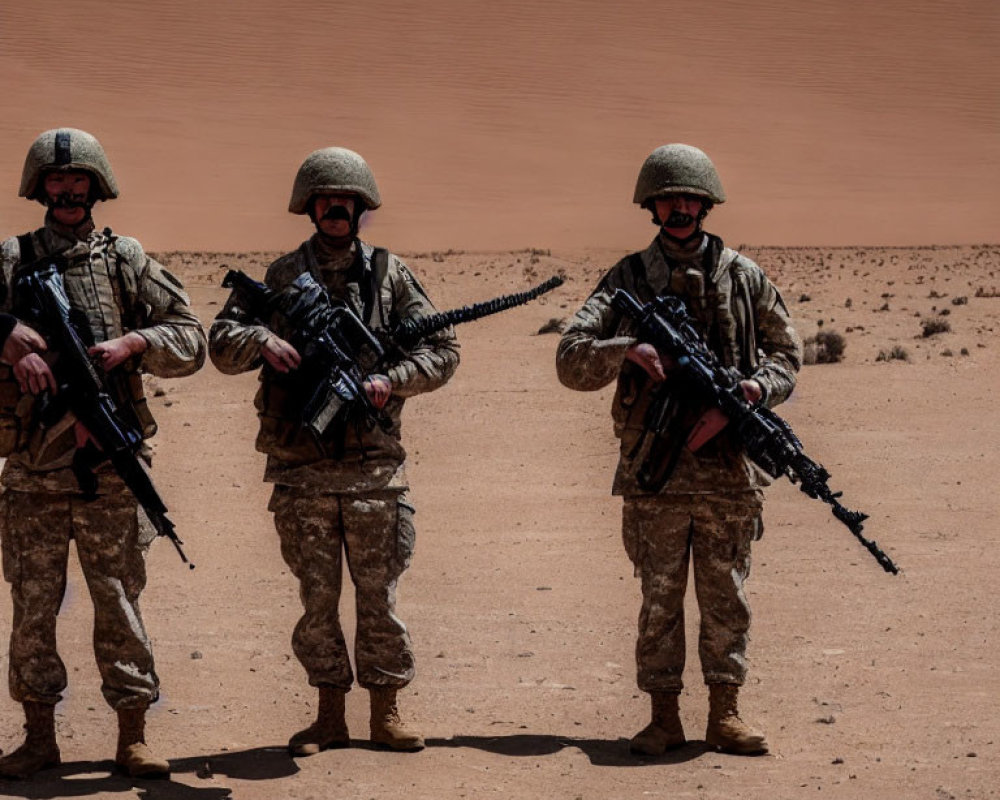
386	727
329	729
134	756
726	731
664	732
39	749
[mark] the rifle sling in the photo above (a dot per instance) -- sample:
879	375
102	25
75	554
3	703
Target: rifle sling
26	244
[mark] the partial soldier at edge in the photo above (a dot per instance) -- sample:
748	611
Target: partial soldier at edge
139	319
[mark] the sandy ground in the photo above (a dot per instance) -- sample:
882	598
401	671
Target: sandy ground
522	603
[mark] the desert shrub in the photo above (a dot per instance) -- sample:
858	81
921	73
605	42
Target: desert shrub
897	353
930	327
826	347
554	325
960	301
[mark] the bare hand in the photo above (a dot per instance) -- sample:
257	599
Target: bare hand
379	389
280	354
113	352
22	340
34	376
647	357
752	391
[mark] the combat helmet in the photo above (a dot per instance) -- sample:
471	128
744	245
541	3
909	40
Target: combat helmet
66	149
333	169
675	168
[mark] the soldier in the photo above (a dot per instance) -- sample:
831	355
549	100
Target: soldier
343	495
140	321
709	506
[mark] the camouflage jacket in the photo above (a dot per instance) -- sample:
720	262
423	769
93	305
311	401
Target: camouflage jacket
117	288
745	322
371	458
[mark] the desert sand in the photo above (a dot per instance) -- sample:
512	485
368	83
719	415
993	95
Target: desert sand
857	139
522	603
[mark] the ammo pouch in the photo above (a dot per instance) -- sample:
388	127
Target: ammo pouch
281	433
15	413
130	395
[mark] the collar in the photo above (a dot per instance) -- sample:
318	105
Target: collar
68	234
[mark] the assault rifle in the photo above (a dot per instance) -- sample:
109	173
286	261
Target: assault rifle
338	351
83	390
767	439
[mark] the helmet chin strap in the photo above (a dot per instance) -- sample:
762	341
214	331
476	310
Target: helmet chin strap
67	200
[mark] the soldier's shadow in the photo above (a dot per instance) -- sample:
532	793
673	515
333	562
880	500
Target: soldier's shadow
601	752
84	778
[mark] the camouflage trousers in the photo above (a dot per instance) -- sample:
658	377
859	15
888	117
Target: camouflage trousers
375	532
36	528
662	533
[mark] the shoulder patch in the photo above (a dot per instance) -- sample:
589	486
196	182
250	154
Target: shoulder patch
9	249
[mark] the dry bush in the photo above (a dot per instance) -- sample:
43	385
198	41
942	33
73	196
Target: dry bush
554	325
930	327
826	347
897	353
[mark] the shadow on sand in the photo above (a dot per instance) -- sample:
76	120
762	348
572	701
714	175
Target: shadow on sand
601	752
84	778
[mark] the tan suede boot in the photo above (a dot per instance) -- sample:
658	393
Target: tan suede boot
39	749
726	731
329	729
133	755
386	727
664	732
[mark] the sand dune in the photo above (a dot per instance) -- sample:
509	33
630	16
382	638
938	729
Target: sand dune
518	124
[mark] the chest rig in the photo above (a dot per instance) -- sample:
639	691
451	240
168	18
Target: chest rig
362	289
100	291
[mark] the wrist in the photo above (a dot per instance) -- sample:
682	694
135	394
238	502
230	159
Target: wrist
137	343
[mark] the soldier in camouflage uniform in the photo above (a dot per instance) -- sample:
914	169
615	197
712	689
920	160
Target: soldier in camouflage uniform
344	495
709	506
140	320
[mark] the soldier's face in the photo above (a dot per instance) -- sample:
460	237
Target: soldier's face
68	191
678	213
333	213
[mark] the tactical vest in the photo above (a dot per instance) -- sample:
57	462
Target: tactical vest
104	288
281	434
